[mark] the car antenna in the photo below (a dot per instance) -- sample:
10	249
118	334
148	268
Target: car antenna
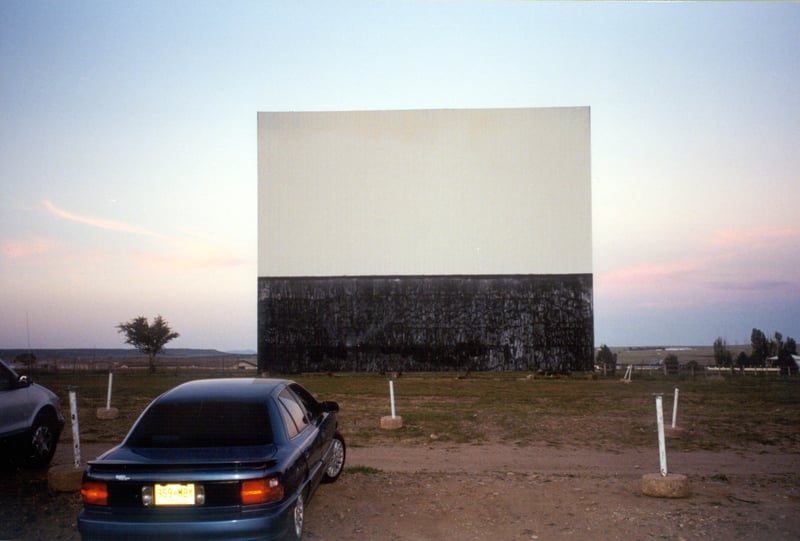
28	333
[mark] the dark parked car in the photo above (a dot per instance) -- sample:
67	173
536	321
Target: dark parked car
30	421
230	459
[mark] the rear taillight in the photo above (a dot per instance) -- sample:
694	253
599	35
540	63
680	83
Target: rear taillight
94	493
261	491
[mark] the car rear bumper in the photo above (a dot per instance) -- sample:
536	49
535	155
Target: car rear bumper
262	527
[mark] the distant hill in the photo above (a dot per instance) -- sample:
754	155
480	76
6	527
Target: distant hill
105	353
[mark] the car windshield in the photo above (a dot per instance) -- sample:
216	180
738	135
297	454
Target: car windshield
203	424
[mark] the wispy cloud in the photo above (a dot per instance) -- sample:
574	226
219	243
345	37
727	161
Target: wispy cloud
752	237
648	275
189	250
727	264
22	249
752	285
207	258
110	225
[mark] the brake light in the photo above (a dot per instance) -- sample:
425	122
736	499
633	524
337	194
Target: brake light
94	493
261	491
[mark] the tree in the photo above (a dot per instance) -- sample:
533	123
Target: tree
785	360
671	364
741	361
776	345
722	355
149	339
607	359
761	347
790	345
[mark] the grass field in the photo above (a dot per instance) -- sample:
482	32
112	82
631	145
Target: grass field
716	413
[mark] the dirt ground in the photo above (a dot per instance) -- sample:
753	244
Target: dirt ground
445	491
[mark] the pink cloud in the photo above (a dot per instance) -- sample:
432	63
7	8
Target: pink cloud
648	275
741	237
662	286
728	262
187	261
35	247
189	253
720	275
100	223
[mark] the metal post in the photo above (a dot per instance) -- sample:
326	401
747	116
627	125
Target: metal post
391	396
110	382
76	435
662	448
675	408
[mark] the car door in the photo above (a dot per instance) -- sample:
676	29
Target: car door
309	434
324	422
15	405
324	428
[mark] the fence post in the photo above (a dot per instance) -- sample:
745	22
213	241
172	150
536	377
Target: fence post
76	433
662	446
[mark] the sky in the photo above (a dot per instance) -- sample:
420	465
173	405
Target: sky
128	163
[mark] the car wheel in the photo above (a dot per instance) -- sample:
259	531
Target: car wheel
336	464
43	439
298	517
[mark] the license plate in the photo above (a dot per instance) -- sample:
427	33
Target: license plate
174	494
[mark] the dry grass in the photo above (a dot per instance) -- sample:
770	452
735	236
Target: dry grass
719	413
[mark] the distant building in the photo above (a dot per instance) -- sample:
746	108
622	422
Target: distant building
774	360
243	364
425	240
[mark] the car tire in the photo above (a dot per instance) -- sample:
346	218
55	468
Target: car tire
297	518
336	464
43	439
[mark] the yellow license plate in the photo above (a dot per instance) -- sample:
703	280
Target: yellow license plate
174	494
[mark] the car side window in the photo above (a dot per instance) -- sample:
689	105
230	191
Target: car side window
293	412
309	402
6	379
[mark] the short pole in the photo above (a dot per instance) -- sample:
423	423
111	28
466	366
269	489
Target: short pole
110	382
675	408
76	436
394	421
662	448
391	397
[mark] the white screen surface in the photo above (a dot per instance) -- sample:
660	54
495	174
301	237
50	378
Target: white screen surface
425	192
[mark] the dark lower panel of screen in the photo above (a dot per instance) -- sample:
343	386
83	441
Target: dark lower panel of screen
421	323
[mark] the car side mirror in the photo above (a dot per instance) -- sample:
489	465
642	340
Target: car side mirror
23	381
329	406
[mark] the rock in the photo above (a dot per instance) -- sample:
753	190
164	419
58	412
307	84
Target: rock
107	413
391	423
672	485
65	478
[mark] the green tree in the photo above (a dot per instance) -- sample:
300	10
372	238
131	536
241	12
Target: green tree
761	347
671	364
741	361
722	355
776	345
785	361
607	360
147	338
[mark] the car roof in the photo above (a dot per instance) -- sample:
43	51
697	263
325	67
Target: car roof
237	389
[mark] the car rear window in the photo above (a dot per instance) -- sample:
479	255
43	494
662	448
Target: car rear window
203	424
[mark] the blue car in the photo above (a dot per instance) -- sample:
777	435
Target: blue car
232	459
